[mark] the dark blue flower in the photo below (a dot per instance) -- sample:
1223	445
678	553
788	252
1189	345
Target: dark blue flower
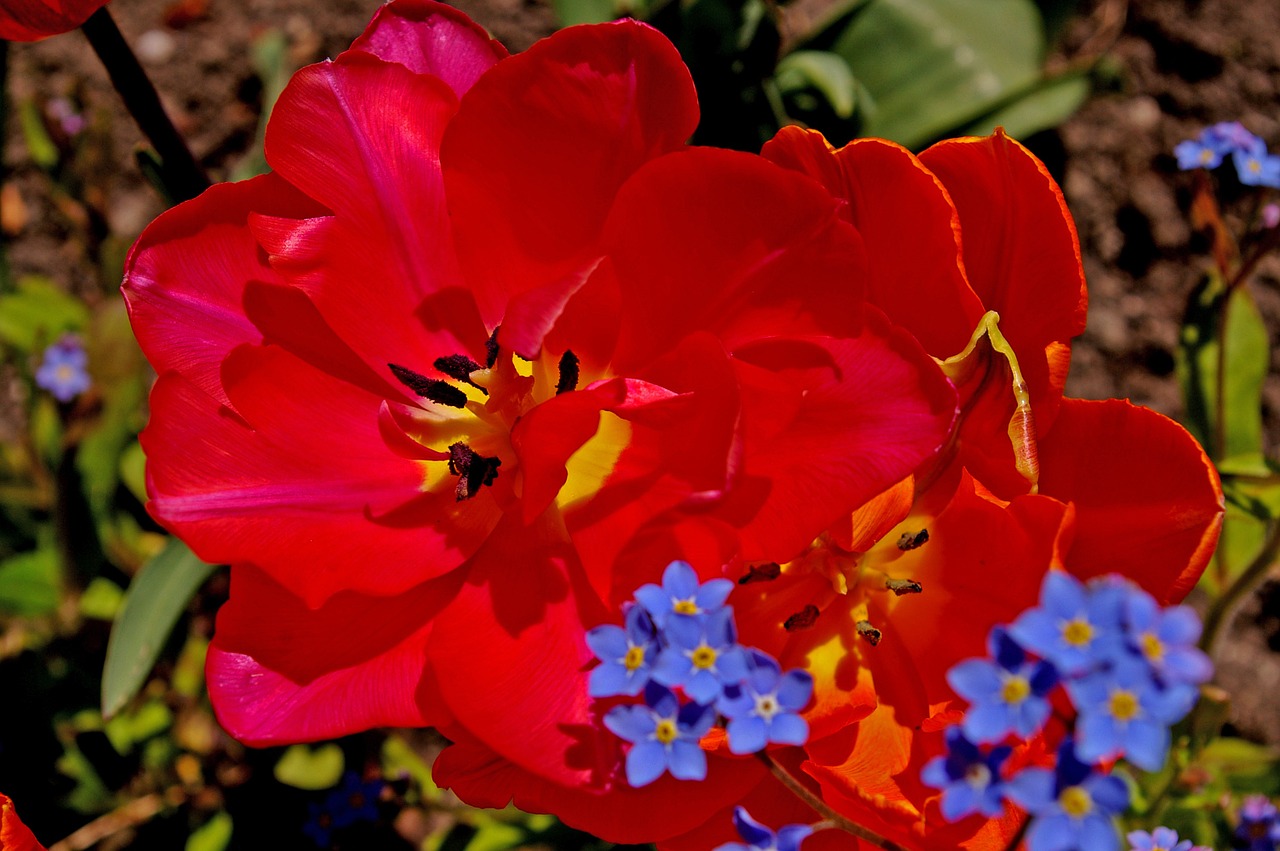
1124	713
319	824
765	706
628	655
1160	839
1074	627
1007	694
760	838
969	779
1259	825
664	736
704	660
1073	805
62	371
680	602
355	800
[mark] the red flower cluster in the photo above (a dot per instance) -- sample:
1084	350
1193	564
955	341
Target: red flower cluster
490	347
32	20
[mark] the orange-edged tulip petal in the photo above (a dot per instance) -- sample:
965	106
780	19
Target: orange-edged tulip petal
909	227
189	269
32	20
301	478
538	150
281	672
723	242
431	38
612	810
1147	501
14	835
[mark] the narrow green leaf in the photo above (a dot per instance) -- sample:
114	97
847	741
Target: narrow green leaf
213	835
43	151
29	582
303	767
156	598
36	312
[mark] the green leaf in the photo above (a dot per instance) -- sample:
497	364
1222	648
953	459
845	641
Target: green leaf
36	312
1248	768
496	836
43	151
213	835
821	70
29	582
156	598
572	12
147	721
304	768
133	470
399	758
101	600
1046	104
934	65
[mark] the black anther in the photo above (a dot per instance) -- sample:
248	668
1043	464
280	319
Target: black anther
474	471
903	586
458	367
802	619
491	348
911	540
761	573
431	388
568	373
869	632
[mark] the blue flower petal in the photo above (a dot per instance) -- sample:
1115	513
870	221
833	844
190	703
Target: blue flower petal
795	690
645	763
747	734
788	729
608	642
688	760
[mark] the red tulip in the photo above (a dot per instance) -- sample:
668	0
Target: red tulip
32	20
14	835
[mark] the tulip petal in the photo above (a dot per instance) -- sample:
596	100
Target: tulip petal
539	148
281	672
304	478
14	835
431	38
1147	501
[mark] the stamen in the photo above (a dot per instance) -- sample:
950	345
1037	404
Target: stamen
903	586
802	619
473	471
460	367
869	632
761	573
568	372
491	348
911	540
441	392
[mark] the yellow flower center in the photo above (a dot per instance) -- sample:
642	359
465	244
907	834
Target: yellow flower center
704	657
1075	802
1077	633
1015	689
665	732
1152	647
1206	156
685	607
1255	166
634	658
1124	705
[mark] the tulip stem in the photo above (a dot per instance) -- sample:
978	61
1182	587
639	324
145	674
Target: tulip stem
1217	617
182	176
803	793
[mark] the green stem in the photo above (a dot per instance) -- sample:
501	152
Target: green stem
820	806
1217	617
183	177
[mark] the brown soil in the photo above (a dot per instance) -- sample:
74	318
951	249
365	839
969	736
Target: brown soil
1180	64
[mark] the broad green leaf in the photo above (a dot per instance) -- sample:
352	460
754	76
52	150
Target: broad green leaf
496	836
37	312
1046	104
155	599
303	767
147	721
101	600
1238	448
1248	768
213	835
399	758
934	65
572	12
29	582
821	70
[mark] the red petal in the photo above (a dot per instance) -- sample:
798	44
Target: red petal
186	275
1020	247
362	137
617	813
864	413
542	143
524	610
431	38
1148	504
32	20
14	835
724	242
909	227
281	672
304	479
